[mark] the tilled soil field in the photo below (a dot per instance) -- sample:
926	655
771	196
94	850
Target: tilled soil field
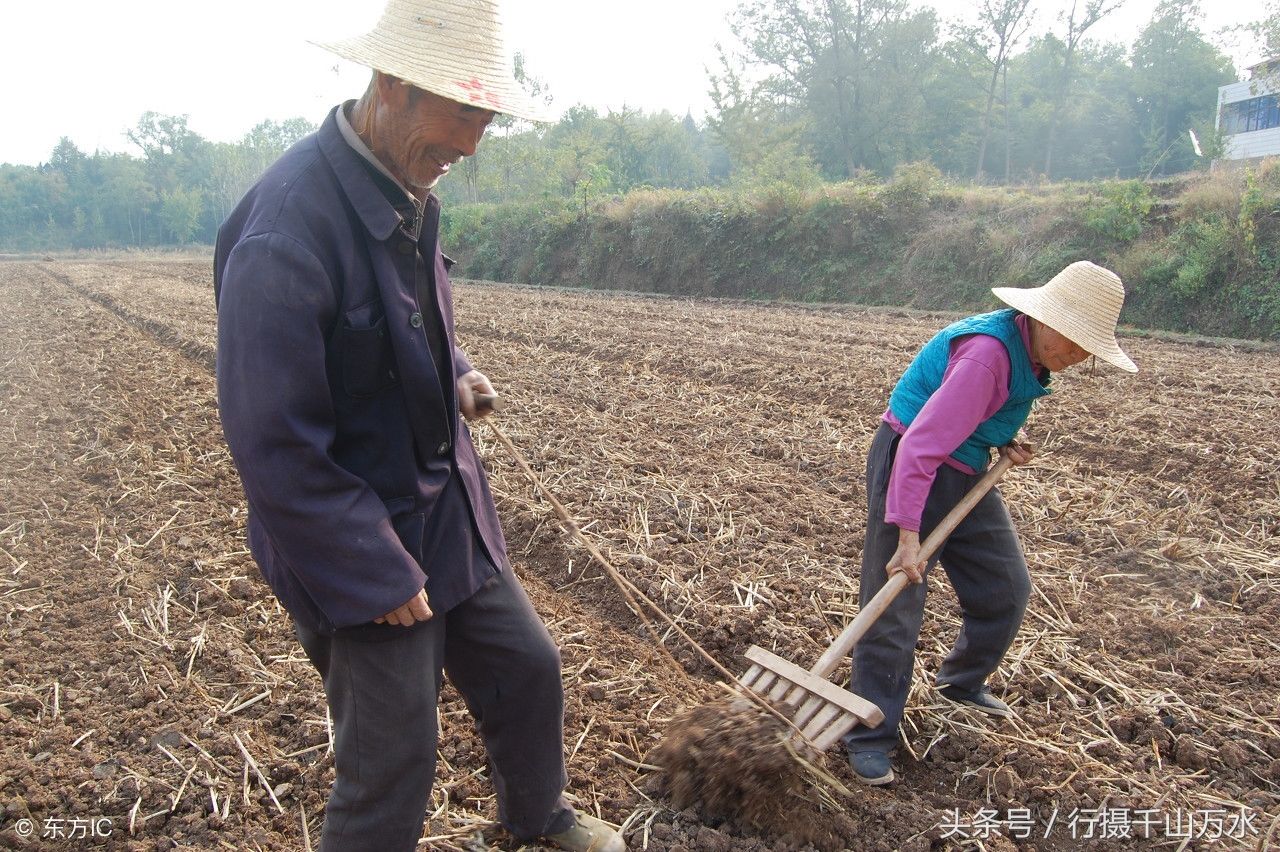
152	695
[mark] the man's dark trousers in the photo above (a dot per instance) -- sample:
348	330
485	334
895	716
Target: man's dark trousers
984	563
383	682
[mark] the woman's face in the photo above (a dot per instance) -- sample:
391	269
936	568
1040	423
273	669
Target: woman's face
1053	350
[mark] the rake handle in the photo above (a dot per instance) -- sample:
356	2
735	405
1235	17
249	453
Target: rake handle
628	589
849	637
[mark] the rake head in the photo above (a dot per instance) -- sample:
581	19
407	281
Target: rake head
823	711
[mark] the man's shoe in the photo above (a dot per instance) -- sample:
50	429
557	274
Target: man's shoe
589	835
872	767
981	700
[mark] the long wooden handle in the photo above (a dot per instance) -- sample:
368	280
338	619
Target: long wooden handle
850	635
628	589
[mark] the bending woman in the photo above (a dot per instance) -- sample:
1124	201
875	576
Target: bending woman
968	391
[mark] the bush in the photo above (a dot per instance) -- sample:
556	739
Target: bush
1205	246
1259	206
915	188
1118	210
1217	193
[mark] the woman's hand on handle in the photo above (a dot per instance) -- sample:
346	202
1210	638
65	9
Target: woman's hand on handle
1020	450
906	559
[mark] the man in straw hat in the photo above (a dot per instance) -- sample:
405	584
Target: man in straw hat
341	386
969	390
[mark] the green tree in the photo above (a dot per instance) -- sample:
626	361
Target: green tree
836	70
1001	23
762	141
672	152
597	181
508	164
1267	29
266	141
68	160
33	201
167	145
174	158
1267	32
70	164
1093	129
1176	75
1078	22
232	170
952	108
578	152
180	213
125	197
906	73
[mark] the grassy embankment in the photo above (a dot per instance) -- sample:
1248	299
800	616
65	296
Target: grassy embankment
1198	254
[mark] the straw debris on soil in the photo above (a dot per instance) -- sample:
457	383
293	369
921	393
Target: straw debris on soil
714	452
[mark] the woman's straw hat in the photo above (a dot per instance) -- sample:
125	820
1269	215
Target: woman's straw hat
1082	303
453	48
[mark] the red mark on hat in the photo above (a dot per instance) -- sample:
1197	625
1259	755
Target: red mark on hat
479	95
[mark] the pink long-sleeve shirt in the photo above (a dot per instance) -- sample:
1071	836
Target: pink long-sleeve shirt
974	386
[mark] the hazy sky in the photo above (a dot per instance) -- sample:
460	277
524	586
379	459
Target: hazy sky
88	69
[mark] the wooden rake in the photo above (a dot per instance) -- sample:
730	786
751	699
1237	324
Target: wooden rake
825	712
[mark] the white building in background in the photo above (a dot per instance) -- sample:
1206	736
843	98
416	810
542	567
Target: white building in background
1249	114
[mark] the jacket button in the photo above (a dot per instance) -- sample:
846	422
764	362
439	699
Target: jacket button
444	448
416	320
406	248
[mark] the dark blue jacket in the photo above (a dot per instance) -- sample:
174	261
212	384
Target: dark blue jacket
337	419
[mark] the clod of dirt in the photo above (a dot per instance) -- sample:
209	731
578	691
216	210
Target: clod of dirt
1007	783
730	757
1233	755
1188	754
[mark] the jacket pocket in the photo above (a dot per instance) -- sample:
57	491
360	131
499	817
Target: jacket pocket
368	361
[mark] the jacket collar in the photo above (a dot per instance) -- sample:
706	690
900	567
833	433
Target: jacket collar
370	203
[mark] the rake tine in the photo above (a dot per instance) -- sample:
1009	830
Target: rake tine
797	695
766	680
808	709
821	720
833	732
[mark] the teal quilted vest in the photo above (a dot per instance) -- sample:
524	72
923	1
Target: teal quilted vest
924	376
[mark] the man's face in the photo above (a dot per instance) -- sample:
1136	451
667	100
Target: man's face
1055	351
418	135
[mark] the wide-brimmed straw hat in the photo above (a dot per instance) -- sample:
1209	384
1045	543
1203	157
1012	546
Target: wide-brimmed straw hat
453	48
1082	303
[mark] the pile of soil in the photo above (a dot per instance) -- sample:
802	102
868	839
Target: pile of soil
732	758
